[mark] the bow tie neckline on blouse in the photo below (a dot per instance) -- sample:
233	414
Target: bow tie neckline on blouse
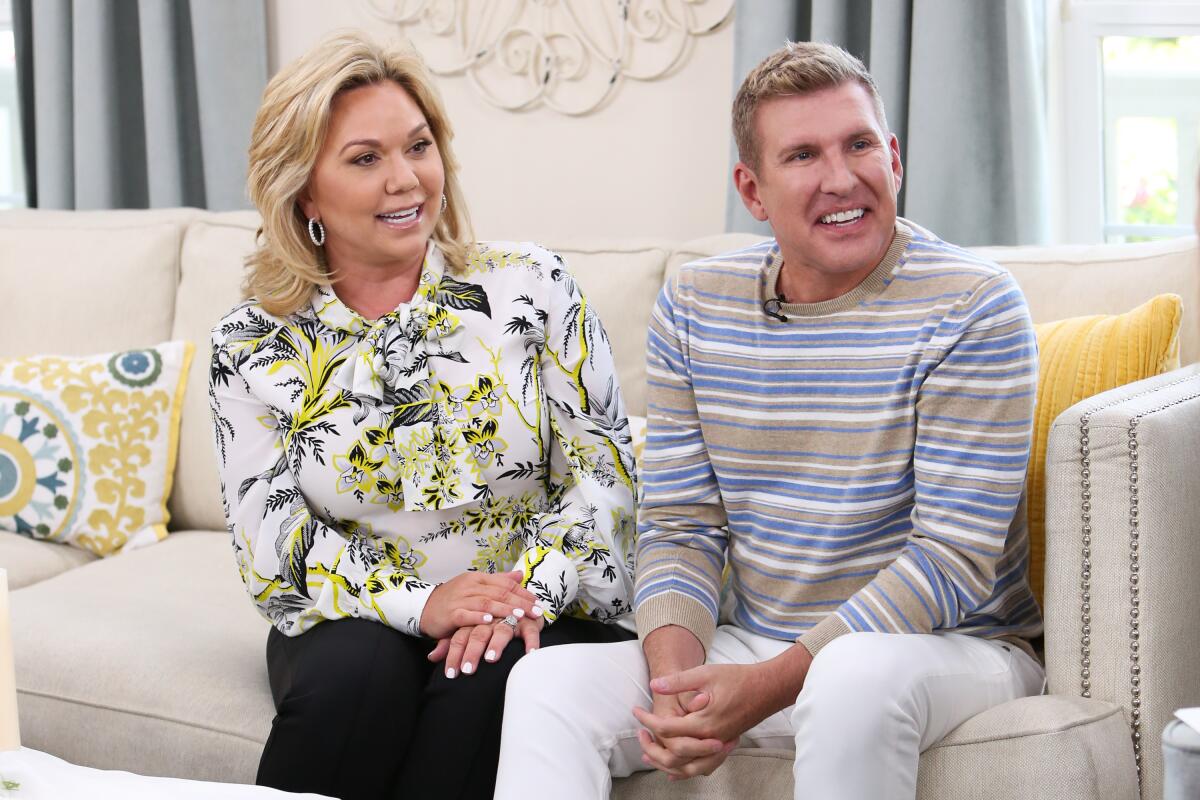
388	367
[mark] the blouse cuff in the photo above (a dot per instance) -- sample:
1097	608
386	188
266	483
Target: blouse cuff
551	577
401	607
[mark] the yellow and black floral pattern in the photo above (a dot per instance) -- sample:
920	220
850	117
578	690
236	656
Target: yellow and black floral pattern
477	427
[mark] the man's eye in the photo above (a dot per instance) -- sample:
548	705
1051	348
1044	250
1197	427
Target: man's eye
861	144
803	155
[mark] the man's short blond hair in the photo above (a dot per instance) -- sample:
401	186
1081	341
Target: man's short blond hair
797	68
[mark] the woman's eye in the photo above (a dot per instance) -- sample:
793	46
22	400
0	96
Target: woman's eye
366	159
421	146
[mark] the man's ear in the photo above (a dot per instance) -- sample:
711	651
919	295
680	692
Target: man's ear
746	183
897	167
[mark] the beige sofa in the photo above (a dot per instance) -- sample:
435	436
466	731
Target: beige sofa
152	661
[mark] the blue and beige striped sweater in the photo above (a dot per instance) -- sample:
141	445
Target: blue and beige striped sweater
861	465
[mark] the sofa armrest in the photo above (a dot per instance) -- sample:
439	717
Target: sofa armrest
1122	556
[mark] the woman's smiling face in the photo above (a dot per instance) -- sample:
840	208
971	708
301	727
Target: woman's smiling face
377	182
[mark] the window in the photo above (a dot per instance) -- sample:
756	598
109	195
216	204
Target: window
1151	135
12	169
1129	132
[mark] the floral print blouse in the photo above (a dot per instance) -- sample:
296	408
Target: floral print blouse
477	427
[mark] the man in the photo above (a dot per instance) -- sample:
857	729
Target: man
840	421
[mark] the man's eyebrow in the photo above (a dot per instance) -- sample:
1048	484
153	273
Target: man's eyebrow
865	133
375	142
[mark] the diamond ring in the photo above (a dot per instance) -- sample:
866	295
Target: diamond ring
511	621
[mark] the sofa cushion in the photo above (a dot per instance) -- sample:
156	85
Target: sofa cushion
1072	280
211	273
88	445
1050	747
109	276
28	561
1079	358
156	663
1035	748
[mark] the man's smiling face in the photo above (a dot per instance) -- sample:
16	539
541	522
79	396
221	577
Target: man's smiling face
827	181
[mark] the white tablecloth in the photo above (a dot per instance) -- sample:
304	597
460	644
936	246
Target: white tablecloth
31	775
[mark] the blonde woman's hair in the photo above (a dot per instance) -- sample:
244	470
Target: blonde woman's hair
288	134
797	68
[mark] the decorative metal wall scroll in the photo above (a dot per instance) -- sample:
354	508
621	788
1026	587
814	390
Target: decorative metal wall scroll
568	55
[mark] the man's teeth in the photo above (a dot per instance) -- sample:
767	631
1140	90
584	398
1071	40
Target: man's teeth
401	216
843	216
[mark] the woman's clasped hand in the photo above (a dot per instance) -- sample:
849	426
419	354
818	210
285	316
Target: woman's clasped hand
476	615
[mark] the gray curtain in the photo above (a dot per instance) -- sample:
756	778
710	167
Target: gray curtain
139	103
963	83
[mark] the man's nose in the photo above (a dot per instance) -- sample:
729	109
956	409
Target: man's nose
838	178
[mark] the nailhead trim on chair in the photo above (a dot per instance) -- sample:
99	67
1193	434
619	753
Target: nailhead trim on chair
1135	668
1085	576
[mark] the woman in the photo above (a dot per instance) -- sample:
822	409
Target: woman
424	452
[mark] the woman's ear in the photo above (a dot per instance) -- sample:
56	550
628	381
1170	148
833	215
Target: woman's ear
307	205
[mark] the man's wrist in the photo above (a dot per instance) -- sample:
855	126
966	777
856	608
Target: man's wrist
785	674
670	649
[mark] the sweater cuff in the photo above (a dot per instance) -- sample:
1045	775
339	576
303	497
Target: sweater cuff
675	608
551	577
401	607
823	633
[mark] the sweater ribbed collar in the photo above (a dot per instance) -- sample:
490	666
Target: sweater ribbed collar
871	286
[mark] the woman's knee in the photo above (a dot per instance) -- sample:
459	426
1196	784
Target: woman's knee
348	662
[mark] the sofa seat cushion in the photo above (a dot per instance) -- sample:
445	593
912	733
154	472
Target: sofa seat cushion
151	661
28	561
1035	748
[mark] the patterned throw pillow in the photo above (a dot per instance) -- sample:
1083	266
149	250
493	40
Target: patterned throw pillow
87	445
1081	357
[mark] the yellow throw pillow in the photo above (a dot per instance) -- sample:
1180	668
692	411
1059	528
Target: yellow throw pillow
1085	356
88	445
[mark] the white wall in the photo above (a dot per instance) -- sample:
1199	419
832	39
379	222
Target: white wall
654	162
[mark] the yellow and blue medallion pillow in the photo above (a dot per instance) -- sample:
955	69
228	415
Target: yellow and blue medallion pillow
88	445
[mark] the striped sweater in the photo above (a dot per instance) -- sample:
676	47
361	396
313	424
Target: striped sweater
859	466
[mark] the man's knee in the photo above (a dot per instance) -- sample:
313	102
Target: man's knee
569	677
856	674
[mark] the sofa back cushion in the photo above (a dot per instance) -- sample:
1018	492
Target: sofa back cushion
79	283
1077	280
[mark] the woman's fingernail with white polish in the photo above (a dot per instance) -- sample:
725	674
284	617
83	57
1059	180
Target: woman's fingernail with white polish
531	650
467	668
491	655
487	617
450	673
537	611
518	612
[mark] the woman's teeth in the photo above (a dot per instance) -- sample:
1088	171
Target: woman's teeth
401	216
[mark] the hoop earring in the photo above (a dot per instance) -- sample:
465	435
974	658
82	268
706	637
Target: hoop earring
316	231
444	203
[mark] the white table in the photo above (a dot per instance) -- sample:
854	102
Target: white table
41	776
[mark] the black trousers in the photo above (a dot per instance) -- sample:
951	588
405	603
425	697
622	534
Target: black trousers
363	715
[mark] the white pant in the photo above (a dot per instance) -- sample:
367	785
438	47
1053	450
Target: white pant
870	704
